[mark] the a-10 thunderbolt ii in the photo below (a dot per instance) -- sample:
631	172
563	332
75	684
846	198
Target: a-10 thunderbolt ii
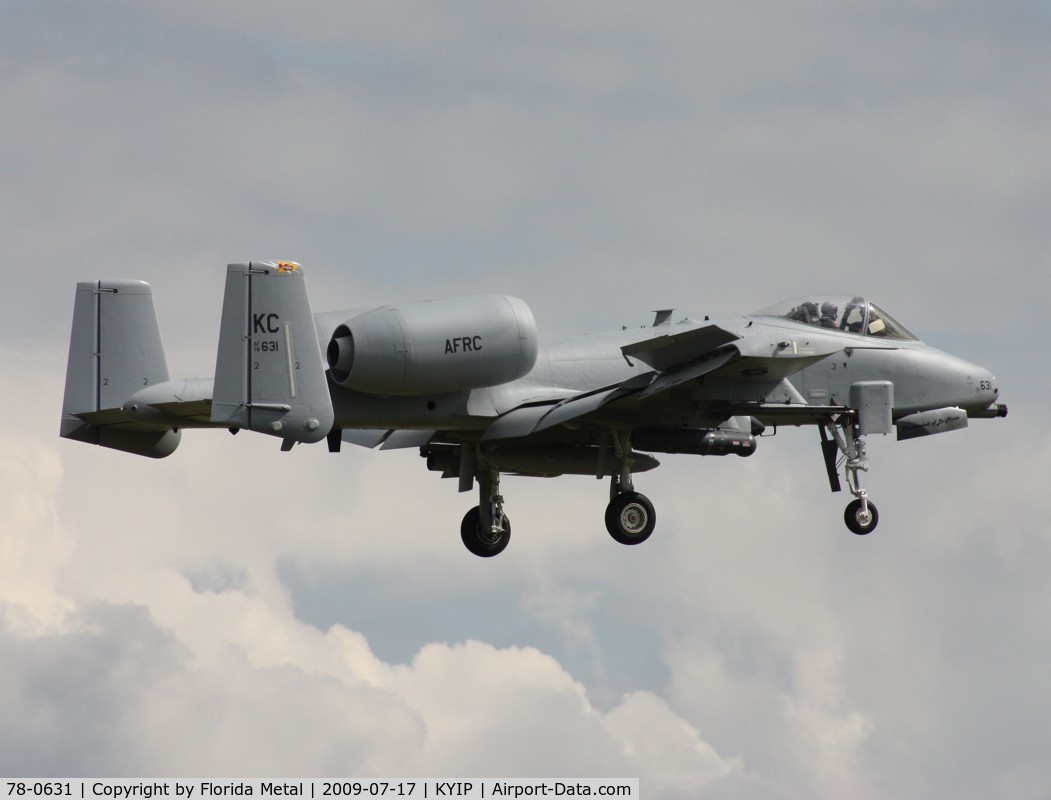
468	381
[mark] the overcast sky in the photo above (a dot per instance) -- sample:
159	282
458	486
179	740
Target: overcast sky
234	611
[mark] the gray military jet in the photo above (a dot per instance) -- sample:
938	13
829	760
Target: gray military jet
468	382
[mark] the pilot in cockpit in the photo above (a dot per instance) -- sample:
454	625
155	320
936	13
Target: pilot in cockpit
854	316
829	313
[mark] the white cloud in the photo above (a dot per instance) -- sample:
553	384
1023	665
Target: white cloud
115	659
35	543
675	755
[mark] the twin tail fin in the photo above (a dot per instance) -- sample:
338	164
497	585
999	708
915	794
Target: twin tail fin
269	374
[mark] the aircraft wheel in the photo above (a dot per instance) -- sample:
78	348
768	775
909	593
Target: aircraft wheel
858	522
479	539
630	518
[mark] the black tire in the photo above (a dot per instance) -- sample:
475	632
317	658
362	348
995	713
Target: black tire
479	540
853	517
630	518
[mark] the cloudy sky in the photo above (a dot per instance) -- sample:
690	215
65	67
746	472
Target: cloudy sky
234	611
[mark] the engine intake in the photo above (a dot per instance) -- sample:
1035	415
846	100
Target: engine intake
436	346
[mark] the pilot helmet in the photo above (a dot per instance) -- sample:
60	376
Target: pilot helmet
829	309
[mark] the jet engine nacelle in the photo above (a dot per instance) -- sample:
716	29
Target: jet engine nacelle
435	346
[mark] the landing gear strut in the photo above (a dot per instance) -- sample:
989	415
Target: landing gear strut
485	529
861	515
630	518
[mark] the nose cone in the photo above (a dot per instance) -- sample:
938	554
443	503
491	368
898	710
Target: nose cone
987	389
972	388
987	393
943	381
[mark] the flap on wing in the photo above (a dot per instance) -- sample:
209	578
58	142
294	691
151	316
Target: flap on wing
384	438
576	407
528	419
364	437
517	422
672	349
680	374
398	440
592	401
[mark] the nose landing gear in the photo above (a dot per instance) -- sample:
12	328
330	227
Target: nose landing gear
861	514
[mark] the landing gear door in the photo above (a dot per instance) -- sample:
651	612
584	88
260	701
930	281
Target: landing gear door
874	402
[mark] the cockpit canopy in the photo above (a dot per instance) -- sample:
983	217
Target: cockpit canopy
843	313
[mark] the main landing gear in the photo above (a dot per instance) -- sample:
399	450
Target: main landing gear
485	529
861	514
630	518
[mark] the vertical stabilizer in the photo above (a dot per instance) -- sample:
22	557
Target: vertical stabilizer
115	350
269	376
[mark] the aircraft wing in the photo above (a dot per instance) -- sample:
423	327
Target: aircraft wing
672	350
759	354
749	353
681	357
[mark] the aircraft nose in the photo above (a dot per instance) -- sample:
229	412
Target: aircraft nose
983	387
988	391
